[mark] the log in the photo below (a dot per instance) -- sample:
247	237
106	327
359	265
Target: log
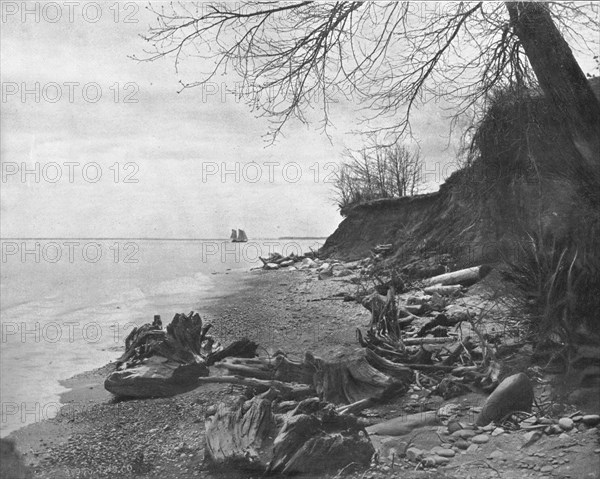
163	362
441	319
312	439
421	341
403	425
463	276
279	367
388	367
443	290
351	378
156	377
343	380
242	348
356	406
286	391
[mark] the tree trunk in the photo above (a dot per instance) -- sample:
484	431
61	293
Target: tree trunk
560	77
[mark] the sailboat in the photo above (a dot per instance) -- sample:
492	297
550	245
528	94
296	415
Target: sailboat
238	236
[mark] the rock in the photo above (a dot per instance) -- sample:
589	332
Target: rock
342	273
546	469
590	419
515	393
496	455
566	423
414	454
553	429
463	433
271	266
448	410
480	439
461	444
442	451
285	264
157	377
307	263
440	460
454	426
563	436
497	431
472	448
531	438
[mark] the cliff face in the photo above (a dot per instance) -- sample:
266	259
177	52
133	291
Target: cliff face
525	180
435	223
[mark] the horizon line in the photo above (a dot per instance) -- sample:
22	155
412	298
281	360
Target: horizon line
32	238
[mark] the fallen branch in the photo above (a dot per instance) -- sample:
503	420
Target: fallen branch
462	276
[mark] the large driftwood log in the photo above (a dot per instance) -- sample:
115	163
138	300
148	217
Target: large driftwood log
160	363
351	378
343	380
463	276
312	438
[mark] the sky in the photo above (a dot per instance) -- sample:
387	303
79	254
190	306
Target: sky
97	145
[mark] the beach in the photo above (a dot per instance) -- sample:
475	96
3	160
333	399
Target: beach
93	436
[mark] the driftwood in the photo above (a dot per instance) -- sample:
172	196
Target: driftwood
389	367
285	391
403	425
415	341
441	319
464	276
163	362
242	348
399	369
384	313
312	438
344	380
276	258
443	290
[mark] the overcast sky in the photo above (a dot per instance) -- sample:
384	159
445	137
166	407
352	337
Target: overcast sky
160	155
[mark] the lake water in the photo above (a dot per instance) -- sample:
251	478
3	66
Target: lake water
67	305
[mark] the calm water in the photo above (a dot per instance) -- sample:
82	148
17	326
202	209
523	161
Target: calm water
66	308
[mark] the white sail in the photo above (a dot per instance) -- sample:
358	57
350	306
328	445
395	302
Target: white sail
233	235
242	235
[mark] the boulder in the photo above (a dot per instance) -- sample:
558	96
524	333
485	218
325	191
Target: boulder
515	393
156	377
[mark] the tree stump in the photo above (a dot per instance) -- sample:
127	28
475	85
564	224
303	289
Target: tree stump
312	438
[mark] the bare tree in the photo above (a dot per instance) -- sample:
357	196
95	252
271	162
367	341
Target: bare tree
377	171
291	56
405	169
